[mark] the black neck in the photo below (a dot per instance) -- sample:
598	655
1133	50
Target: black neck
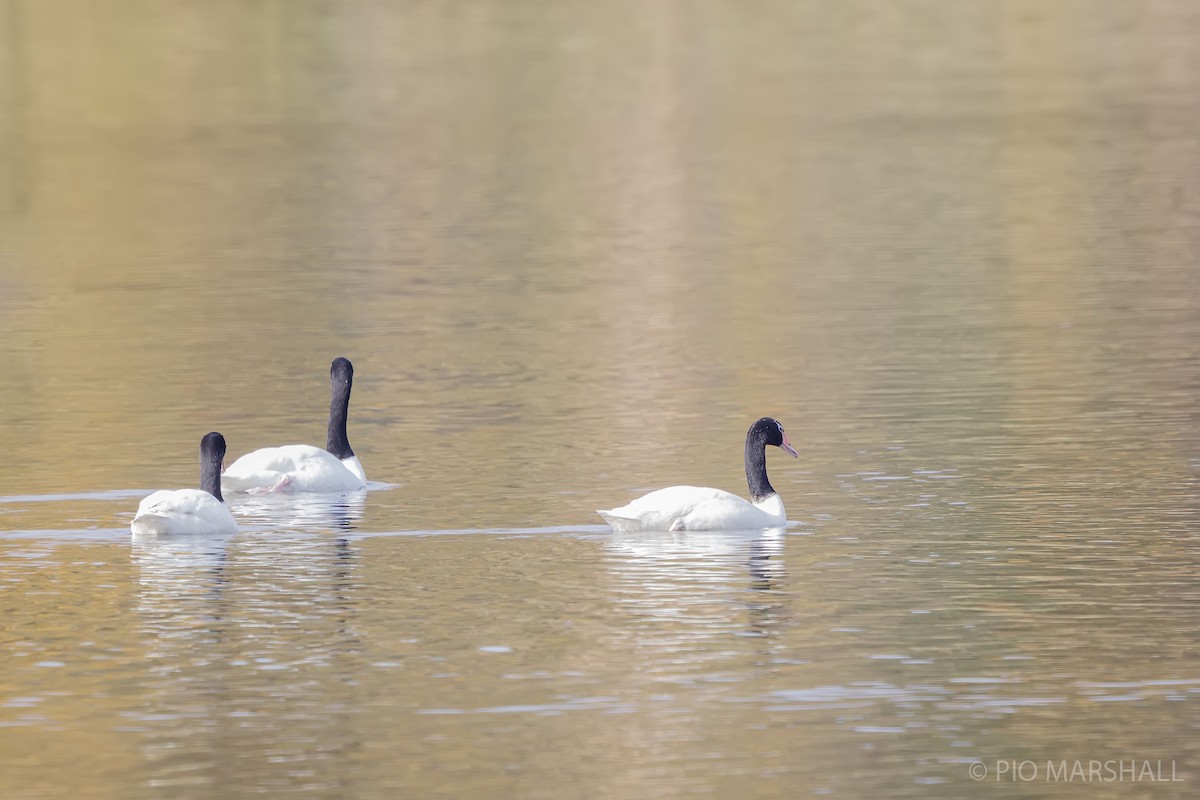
336	441
756	468
210	474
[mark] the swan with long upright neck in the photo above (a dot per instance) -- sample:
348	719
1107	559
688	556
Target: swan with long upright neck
190	511
302	467
694	508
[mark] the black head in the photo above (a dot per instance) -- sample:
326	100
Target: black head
212	463
213	445
341	371
769	431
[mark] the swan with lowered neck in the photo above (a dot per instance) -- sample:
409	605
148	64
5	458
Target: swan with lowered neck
693	508
190	511
302	467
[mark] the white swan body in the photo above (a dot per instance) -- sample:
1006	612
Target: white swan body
184	512
692	508
302	467
190	511
293	468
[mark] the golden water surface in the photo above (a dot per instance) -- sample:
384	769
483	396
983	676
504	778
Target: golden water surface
574	249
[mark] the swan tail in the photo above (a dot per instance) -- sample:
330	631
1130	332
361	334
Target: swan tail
147	524
620	524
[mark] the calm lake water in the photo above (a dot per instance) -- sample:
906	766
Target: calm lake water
574	250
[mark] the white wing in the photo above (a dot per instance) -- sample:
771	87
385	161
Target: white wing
293	468
183	511
691	508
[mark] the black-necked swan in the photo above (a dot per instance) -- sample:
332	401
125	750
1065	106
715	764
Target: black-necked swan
693	508
302	467
190	511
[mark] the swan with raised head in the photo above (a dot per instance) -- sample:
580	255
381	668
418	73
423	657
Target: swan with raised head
693	508
302	467
190	511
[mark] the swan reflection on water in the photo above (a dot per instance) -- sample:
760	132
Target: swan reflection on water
675	552
327	510
177	566
182	578
232	626
670	575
